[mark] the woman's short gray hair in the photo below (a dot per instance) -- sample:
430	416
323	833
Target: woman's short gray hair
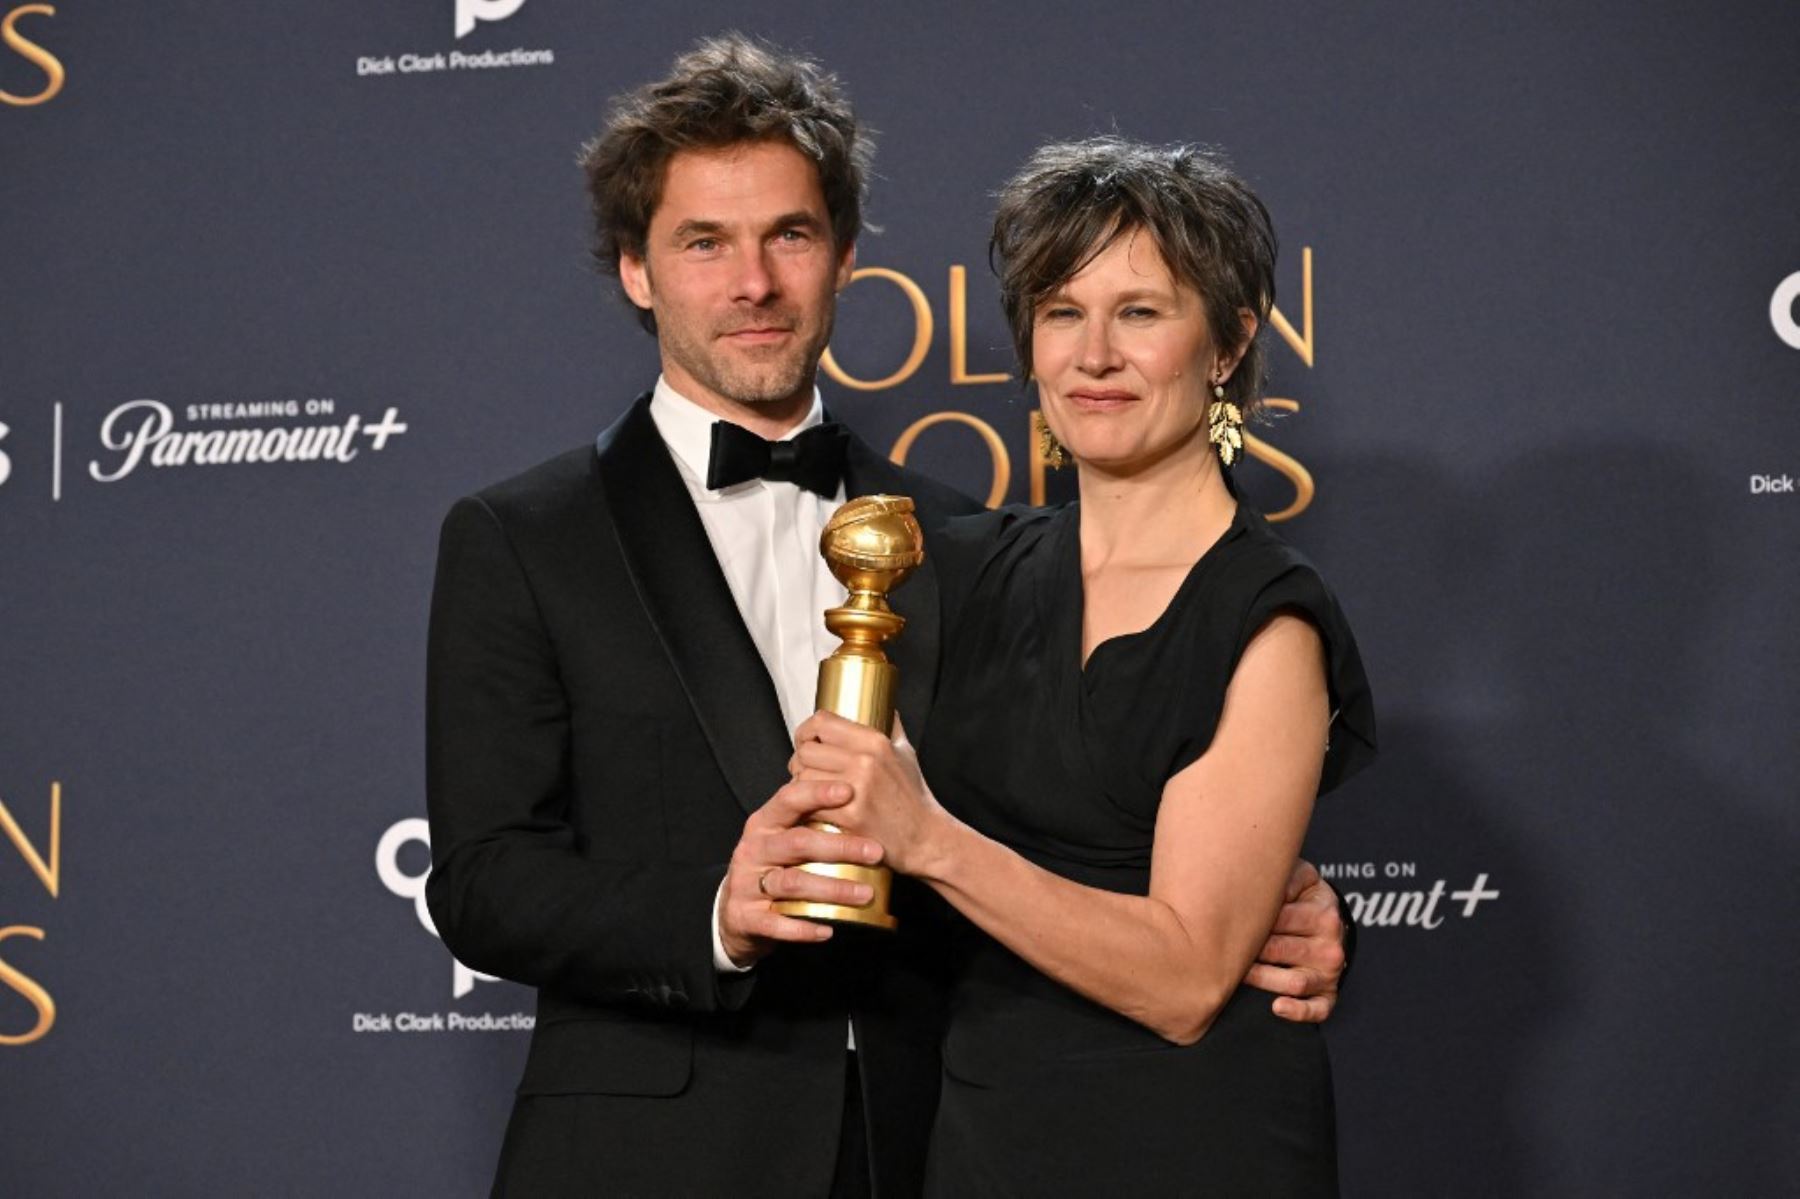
1072	199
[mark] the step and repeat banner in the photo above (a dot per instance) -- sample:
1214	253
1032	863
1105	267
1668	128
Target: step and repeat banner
278	283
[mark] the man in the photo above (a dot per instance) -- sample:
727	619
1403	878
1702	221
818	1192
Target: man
622	642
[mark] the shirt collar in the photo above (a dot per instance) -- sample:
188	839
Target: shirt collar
686	428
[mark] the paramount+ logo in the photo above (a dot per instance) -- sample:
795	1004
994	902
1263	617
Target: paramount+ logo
34	53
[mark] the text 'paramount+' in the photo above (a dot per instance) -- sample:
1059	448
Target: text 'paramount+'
1407	906
143	432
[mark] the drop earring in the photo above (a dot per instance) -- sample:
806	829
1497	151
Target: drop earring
1050	449
1225	426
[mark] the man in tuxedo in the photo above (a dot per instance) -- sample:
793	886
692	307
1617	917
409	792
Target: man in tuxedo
622	641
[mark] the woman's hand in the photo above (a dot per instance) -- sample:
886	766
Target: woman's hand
890	802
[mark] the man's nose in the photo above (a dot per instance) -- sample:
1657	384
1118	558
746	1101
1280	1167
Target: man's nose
754	282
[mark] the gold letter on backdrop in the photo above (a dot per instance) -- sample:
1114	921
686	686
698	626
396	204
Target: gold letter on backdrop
1296	474
959	332
50	873
32	52
996	447
1303	346
922	326
29	987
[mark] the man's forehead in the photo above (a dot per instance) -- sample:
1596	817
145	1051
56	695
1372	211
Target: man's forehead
741	183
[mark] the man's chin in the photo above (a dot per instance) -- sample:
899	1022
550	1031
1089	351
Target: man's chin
758	390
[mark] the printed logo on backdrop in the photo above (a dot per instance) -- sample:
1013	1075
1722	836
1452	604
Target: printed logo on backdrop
868	377
466	15
1781	310
411	887
15	982
470	11
1392	895
32	52
146	436
1787	328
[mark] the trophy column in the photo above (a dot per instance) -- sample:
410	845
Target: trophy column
871	544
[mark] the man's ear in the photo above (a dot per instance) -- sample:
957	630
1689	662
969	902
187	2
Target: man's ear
634	276
846	266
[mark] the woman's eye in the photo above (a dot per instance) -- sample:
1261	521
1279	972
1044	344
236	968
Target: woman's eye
1137	312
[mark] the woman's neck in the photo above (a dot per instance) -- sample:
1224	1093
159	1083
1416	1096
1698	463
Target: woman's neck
1167	513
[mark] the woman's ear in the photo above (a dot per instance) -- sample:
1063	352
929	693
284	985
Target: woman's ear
1227	363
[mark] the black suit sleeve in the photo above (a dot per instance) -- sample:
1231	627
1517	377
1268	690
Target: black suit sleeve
512	890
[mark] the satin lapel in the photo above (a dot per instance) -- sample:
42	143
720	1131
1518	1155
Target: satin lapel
684	593
915	650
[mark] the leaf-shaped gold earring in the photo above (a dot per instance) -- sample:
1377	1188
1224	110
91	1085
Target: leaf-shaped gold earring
1049	448
1225	427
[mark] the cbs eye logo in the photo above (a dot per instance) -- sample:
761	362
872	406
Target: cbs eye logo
33	53
412	886
1781	310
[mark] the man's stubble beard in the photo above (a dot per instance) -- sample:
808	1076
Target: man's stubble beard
749	384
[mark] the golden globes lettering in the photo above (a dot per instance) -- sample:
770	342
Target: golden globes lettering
922	329
49	874
1300	340
33	53
1302	345
995	446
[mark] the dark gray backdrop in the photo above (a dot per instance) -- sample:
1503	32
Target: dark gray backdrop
1545	372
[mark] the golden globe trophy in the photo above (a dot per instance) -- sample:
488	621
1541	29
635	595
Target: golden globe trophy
871	543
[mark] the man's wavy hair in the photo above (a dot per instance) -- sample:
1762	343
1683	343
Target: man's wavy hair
726	90
1072	200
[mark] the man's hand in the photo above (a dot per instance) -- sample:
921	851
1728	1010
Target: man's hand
764	868
1303	958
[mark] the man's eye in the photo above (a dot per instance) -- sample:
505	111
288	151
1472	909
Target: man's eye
792	236
704	244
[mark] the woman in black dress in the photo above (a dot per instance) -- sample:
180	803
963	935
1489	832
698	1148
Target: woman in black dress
1141	695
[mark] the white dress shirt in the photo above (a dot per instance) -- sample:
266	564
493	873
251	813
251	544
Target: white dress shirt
766	539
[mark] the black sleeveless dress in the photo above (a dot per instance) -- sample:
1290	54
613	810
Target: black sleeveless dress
1045	1092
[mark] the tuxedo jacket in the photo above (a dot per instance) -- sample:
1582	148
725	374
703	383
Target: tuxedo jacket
599	726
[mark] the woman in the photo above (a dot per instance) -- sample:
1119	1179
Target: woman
1141	695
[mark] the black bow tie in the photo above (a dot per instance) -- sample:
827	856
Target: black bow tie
813	460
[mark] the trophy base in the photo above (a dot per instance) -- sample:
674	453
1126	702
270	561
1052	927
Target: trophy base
837	913
873	914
